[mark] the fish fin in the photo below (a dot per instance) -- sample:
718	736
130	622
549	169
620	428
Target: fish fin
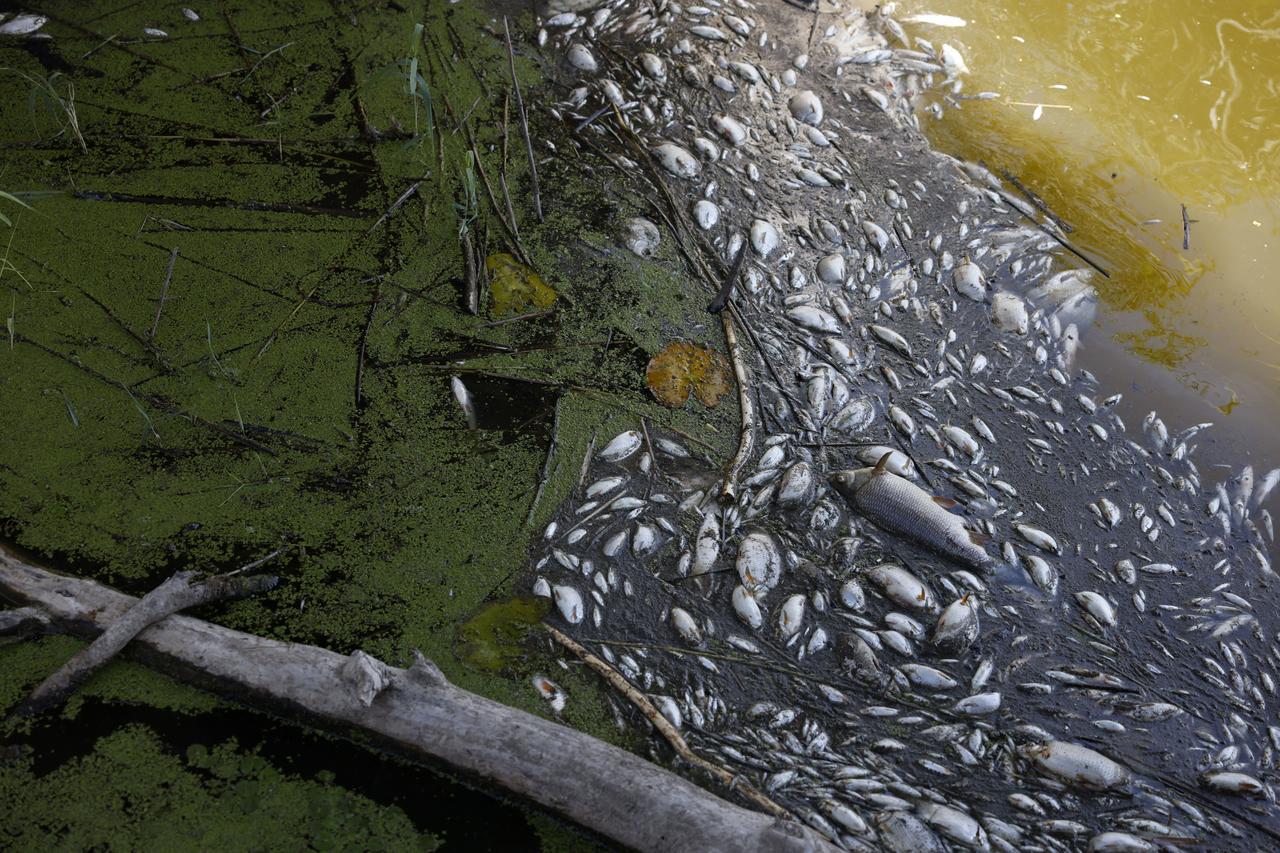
945	503
977	538
883	465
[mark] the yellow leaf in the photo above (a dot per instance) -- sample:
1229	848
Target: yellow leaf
683	367
515	288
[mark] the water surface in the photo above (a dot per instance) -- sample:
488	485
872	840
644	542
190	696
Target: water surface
1118	114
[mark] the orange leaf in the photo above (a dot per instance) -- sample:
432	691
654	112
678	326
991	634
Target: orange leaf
683	367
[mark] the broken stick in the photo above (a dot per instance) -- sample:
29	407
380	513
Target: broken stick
177	593
665	728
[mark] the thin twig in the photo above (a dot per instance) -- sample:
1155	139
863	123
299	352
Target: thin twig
726	290
524	122
664	727
164	293
545	474
159	402
1062	241
404	196
1035	199
484	178
653	457
146	344
504	321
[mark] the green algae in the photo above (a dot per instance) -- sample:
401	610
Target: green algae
131	793
494	638
297	272
25	664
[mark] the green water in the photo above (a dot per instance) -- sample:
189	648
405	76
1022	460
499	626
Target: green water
291	396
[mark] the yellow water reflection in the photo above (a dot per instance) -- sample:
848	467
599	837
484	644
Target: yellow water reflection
1118	114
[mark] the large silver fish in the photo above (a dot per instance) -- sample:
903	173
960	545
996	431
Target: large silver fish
899	505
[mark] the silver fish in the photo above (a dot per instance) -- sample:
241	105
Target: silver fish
903	507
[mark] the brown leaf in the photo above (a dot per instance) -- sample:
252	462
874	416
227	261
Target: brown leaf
683	367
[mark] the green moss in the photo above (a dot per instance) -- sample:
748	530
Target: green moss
25	664
130	793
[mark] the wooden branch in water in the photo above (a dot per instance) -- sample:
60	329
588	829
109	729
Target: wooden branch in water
471	272
726	290
1035	199
21	621
179	592
417	711
669	732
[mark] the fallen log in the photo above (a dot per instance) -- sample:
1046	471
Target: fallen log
418	712
182	591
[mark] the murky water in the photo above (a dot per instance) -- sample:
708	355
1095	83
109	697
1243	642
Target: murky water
1117	114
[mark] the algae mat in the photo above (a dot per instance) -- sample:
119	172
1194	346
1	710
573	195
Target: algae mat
235	313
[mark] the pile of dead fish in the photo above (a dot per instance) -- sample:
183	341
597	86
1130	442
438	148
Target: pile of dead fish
958	602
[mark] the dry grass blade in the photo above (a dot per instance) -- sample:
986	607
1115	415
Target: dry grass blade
524	123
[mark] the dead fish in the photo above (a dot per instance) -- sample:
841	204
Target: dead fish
806	107
747	608
892	338
550	691
729	128
831	269
814	319
677	160
569	601
790	616
1097	607
978	705
23	24
640	236
1038	537
764	237
759	564
1071	762
463	396
1119	842
707	549
901	587
686	626
927	677
580	57
797	484
969	281
957	627
1229	782
903	507
706	214
622	446
954	824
